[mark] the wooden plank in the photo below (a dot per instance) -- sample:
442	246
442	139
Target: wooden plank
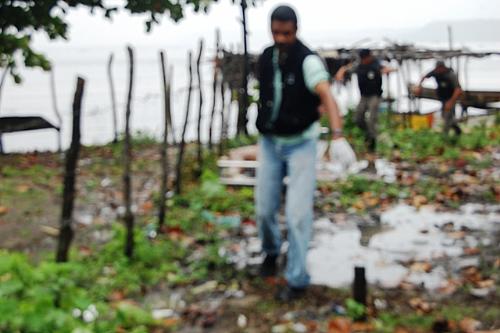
474	98
237	164
238	181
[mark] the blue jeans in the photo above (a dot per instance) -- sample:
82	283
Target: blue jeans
298	162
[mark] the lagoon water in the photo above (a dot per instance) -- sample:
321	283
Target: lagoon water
33	96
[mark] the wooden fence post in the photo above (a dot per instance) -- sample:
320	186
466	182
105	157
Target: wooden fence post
66	230
127	161
178	173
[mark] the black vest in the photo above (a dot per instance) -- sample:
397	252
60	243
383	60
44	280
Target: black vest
445	85
369	79
299	107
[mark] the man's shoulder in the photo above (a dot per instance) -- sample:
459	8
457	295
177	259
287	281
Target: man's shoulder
267	50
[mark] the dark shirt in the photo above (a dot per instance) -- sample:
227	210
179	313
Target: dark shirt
447	82
369	78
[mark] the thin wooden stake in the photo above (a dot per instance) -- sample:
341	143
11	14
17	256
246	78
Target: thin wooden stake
66	230
164	147
178	172
200	112
127	161
223	120
214	89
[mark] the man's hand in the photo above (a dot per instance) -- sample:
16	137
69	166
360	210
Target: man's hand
341	152
417	91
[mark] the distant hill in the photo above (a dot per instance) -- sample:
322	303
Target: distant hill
463	31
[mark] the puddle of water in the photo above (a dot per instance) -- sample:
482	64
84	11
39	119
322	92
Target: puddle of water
414	235
405	235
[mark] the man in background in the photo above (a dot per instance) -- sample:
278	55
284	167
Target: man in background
369	72
448	91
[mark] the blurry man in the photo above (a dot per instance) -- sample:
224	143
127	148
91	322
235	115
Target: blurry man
369	72
293	84
448	91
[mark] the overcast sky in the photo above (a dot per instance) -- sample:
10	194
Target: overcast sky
318	19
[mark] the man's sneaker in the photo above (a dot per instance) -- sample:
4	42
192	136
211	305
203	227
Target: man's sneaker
289	294
269	267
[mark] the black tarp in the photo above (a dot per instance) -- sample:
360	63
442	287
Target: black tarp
18	124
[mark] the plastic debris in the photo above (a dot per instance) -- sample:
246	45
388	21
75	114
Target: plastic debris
163	313
242	321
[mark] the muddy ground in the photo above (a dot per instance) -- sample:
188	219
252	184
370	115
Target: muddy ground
30	199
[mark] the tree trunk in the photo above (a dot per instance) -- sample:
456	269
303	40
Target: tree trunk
223	120
127	161
164	147
178	173
200	113
214	90
243	93
113	98
66	230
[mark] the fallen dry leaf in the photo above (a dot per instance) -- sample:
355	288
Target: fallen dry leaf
401	330
362	327
488	283
457	234
3	210
169	322
472	274
419	200
339	325
471	251
450	287
116	296
423	267
85	250
420	305
22	188
359	205
147	206
468	325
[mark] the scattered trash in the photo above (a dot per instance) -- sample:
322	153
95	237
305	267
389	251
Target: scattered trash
242	321
88	315
106	182
386	170
163	313
150	231
380	304
206	287
48	230
228	221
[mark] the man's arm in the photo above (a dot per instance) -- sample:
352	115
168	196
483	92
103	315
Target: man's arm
387	70
329	106
453	99
418	89
339	76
